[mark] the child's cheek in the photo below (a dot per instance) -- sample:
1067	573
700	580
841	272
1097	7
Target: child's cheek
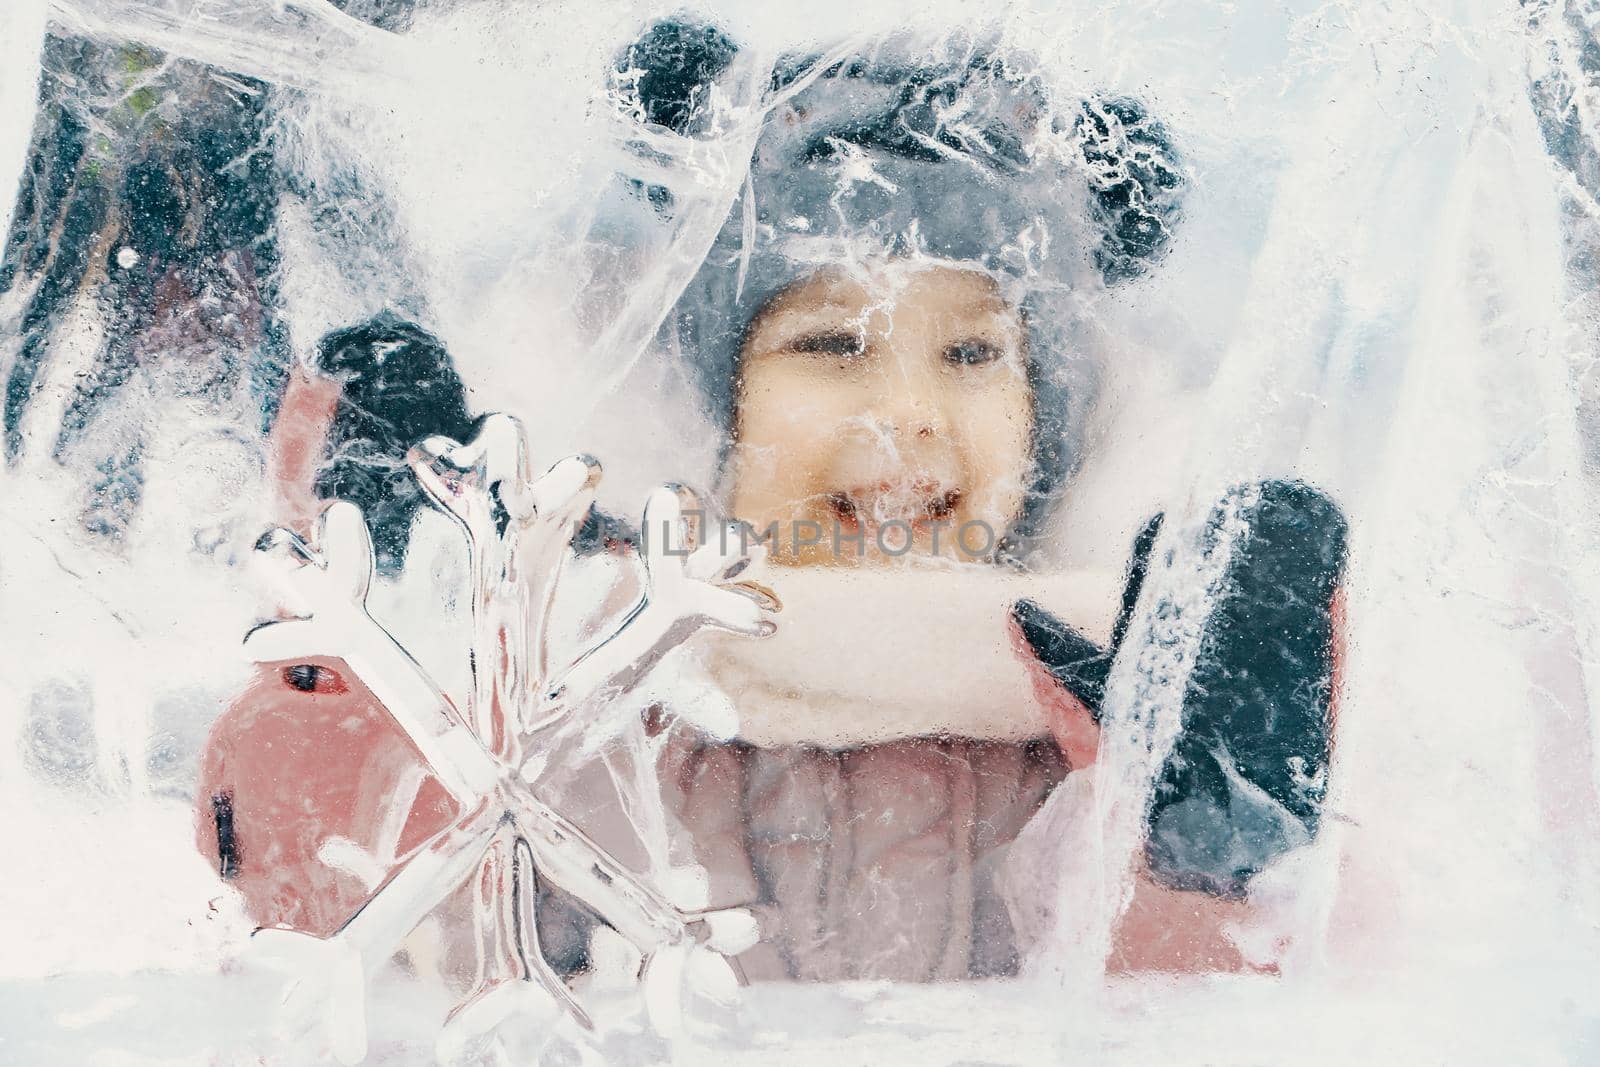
795	425
996	431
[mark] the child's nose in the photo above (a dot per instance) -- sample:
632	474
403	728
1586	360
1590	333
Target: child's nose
907	417
914	405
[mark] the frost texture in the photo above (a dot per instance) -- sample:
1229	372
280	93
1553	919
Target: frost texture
1383	282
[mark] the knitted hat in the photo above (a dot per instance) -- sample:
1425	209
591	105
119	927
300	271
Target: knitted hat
952	151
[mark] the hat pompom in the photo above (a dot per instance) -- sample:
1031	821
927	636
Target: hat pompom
1135	182
665	77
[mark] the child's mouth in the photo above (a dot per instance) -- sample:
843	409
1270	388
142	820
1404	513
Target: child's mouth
891	517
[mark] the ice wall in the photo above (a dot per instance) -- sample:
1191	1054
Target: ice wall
1390	290
22	30
1376	291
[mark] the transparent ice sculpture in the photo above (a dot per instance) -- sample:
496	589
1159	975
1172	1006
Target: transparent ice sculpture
488	756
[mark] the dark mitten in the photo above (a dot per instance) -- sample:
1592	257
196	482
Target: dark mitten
1245	780
399	386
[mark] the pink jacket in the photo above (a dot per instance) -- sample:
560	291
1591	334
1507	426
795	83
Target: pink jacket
874	862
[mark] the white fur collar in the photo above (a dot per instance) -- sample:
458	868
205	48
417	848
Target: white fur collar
865	656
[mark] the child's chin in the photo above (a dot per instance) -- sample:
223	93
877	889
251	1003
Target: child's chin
919	555
845	542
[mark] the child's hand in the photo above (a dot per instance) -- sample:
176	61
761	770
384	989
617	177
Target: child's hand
1163	929
1068	675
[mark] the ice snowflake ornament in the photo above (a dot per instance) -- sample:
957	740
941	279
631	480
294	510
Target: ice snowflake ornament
490	756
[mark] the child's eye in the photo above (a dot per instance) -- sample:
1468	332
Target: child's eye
829	343
972	353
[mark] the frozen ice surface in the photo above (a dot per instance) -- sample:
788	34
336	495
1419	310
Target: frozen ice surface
1382	282
990	1022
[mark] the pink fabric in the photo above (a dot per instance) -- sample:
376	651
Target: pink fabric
296	768
875	862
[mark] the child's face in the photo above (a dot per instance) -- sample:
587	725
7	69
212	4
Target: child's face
893	405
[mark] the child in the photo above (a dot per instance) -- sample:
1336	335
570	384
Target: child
881	329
